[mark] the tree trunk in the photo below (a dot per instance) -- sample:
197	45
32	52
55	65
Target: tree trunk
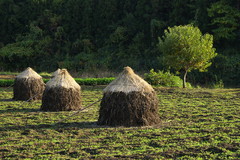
184	79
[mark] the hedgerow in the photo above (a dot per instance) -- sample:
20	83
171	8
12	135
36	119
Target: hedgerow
6	82
80	81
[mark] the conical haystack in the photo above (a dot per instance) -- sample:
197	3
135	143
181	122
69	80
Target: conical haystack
56	72
62	93
28	85
129	101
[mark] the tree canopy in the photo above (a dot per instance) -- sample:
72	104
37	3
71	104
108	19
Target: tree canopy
185	48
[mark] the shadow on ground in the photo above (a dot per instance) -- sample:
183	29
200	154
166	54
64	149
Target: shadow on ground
75	125
55	126
27	110
7	100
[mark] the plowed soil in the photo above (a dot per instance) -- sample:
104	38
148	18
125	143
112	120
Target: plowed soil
7	76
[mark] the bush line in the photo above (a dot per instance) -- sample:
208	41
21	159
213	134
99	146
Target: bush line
80	81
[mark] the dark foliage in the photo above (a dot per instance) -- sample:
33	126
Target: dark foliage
93	35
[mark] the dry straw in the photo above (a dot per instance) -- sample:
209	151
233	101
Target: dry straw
129	101
28	85
62	93
56	72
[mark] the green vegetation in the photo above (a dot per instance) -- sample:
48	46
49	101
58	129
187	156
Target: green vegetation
225	19
94	81
185	48
81	81
9	73
107	35
6	82
45	75
196	124
162	78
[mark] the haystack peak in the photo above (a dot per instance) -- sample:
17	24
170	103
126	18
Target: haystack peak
56	72
63	79
128	81
29	73
128	70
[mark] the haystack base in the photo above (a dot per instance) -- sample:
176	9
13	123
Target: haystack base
27	88
61	99
129	109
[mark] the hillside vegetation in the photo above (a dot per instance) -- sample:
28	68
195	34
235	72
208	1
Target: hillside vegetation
107	35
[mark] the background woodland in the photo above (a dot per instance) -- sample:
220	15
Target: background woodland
106	35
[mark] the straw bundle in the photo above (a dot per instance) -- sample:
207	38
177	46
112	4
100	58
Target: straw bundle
62	93
129	101
56	72
27	85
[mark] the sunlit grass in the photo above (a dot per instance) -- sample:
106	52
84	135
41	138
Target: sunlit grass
196	124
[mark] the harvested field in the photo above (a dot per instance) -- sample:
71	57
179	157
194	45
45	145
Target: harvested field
195	124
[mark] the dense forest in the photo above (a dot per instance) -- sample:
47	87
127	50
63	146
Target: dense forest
109	34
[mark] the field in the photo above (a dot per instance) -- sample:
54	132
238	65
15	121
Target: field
196	124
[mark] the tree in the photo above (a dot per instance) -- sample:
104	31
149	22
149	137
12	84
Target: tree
184	48
180	12
225	16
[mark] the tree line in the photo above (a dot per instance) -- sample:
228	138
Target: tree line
110	34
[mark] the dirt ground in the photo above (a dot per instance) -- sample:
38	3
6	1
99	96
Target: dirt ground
7	76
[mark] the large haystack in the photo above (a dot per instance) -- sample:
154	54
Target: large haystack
28	85
62	93
129	101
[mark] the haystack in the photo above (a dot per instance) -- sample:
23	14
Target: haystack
56	72
28	85
62	93
129	101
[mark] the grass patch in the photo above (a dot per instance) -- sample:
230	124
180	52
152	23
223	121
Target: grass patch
9	73
196	124
80	81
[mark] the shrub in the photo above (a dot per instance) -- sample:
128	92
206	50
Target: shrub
45	74
6	82
218	84
94	81
162	78
80	81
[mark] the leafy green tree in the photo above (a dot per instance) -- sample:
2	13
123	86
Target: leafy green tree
184	48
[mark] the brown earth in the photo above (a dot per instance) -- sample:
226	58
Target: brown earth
7	76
